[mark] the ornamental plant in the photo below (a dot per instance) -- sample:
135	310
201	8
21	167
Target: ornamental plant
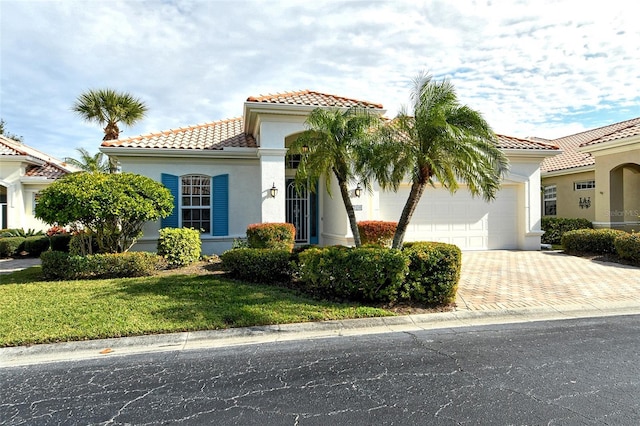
112	208
277	236
179	246
377	232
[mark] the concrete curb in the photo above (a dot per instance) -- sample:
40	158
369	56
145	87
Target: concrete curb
74	351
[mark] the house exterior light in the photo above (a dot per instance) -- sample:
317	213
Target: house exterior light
273	191
358	190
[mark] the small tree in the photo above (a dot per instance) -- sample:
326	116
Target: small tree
90	163
113	208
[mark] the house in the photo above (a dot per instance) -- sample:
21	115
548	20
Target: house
228	174
24	171
596	177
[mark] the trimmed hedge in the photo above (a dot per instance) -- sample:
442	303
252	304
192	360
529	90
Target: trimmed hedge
10	245
57	265
179	246
277	236
628	247
595	241
60	242
555	227
434	272
377	232
365	273
36	245
258	265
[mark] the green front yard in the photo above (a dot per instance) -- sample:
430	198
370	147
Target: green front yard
35	311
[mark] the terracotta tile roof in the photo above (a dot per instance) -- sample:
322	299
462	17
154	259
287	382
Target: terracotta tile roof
571	158
311	98
209	136
509	142
632	130
51	169
48	171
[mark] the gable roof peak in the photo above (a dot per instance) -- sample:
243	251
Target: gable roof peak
313	98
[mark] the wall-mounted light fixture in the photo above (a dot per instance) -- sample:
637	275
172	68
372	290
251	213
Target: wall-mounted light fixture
305	149
273	191
585	202
358	190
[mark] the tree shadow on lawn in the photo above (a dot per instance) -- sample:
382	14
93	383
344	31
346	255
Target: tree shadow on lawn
212	302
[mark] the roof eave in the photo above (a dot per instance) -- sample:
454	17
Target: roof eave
568	171
181	152
23	159
603	146
34	180
530	153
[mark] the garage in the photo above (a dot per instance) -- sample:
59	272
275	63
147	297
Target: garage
470	223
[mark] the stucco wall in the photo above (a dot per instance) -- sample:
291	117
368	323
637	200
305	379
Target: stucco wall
568	199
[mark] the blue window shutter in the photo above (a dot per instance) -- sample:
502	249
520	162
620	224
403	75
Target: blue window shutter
220	205
173	185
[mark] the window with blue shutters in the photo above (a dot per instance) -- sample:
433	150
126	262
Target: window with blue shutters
200	202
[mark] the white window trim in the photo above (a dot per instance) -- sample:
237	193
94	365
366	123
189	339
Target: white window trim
584	185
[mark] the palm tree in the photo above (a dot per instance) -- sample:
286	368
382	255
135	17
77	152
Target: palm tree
108	108
90	163
330	147
441	141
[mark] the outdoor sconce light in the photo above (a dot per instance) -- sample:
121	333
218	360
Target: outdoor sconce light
358	190
305	149
273	191
585	202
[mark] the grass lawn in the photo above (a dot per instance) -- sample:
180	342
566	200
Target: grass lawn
35	311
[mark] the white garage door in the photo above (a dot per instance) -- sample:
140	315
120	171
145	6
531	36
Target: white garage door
470	223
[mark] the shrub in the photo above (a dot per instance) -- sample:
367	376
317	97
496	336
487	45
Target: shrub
82	243
258	265
36	245
60	242
377	232
555	227
434	272
628	247
10	245
594	241
179	246
365	273
15	232
57	265
278	236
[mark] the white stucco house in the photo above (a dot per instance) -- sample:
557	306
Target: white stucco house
24	171
222	174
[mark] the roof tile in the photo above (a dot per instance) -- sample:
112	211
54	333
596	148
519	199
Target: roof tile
51	169
311	98
210	136
571	158
510	142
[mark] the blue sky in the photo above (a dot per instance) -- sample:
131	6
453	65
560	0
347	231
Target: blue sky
533	68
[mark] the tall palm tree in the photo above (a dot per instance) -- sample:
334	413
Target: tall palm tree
329	147
441	140
108	108
90	163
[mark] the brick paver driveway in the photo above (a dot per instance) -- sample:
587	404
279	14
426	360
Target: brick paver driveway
501	279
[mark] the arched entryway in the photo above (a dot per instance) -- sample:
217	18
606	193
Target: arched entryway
624	201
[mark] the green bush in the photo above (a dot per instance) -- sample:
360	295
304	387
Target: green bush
9	246
593	241
57	265
366	273
377	232
555	227
278	236
258	265
628	247
15	232
434	272
179	246
60	242
36	245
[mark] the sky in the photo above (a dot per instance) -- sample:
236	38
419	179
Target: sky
532	68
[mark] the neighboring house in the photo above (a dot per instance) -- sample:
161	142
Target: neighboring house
596	177
222	175
24	171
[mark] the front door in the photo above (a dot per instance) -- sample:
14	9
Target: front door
302	212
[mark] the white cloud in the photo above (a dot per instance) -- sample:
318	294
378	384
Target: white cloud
533	68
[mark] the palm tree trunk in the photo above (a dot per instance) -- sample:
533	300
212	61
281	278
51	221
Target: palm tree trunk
350	212
417	188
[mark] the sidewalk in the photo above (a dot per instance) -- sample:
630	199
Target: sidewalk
496	287
8	266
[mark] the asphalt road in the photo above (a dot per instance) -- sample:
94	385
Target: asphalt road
559	372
